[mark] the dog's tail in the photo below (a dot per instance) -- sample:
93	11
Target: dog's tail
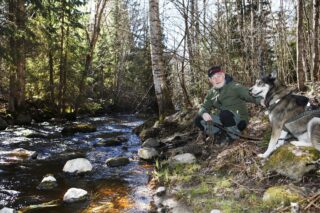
314	132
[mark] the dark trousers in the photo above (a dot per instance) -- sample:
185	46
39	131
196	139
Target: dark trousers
227	119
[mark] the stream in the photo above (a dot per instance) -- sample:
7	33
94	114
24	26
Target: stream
110	189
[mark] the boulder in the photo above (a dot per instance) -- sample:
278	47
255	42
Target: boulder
118	161
23	119
292	161
147	124
48	182
149	133
285	194
78	165
117	141
151	142
161	191
75	195
147	153
215	211
3	124
29	133
7	210
81	127
20	153
184	118
185	158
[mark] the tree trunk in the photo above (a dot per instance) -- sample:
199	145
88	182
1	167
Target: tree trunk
92	36
61	65
17	46
315	43
253	40
159	76
299	32
51	72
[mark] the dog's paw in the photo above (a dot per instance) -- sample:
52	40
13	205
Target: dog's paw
300	143
262	155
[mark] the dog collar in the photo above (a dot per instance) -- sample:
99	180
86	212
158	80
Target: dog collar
273	105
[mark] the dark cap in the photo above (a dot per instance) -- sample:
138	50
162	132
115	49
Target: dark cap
213	70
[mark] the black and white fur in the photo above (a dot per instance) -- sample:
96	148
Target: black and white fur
283	105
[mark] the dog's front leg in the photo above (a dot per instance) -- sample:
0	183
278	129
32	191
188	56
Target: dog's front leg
277	140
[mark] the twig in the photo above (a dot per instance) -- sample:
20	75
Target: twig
312	200
238	184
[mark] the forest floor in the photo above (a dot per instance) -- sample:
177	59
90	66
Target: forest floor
232	178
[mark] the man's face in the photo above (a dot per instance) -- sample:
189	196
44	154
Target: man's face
217	80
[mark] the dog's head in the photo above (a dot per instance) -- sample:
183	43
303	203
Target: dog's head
263	85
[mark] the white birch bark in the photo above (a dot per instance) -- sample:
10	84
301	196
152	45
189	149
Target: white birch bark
158	70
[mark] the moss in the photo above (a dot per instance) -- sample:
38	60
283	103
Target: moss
280	155
177	173
92	107
281	195
83	128
292	161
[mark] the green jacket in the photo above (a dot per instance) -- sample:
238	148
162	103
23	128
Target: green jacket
232	96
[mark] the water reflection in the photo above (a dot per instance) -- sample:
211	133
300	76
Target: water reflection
116	189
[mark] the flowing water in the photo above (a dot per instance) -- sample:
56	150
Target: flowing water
111	189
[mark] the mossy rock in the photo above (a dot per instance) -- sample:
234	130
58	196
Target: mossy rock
117	141
277	195
182	119
3	124
82	127
146	125
292	161
118	161
149	133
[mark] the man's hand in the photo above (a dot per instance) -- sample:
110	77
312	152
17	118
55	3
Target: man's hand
206	116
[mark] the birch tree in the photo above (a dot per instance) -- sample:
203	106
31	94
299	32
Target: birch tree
158	70
92	37
315	37
299	33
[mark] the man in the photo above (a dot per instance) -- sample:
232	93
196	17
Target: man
228	100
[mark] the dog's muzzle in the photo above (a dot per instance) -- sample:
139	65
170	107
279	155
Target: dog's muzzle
255	95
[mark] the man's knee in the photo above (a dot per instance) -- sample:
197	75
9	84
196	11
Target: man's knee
227	118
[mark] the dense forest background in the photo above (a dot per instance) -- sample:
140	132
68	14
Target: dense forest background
138	55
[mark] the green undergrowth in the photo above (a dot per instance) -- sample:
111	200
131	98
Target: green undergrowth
204	192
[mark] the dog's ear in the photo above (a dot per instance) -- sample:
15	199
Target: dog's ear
271	78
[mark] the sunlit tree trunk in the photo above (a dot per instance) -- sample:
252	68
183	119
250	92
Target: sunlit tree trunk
315	42
159	76
92	37
299	33
253	33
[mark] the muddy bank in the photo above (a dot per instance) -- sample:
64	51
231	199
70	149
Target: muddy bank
205	177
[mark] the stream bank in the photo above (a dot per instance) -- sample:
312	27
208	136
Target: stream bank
229	178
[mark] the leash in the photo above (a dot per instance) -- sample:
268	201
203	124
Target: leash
230	132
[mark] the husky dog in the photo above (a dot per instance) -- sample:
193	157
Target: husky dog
288	113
